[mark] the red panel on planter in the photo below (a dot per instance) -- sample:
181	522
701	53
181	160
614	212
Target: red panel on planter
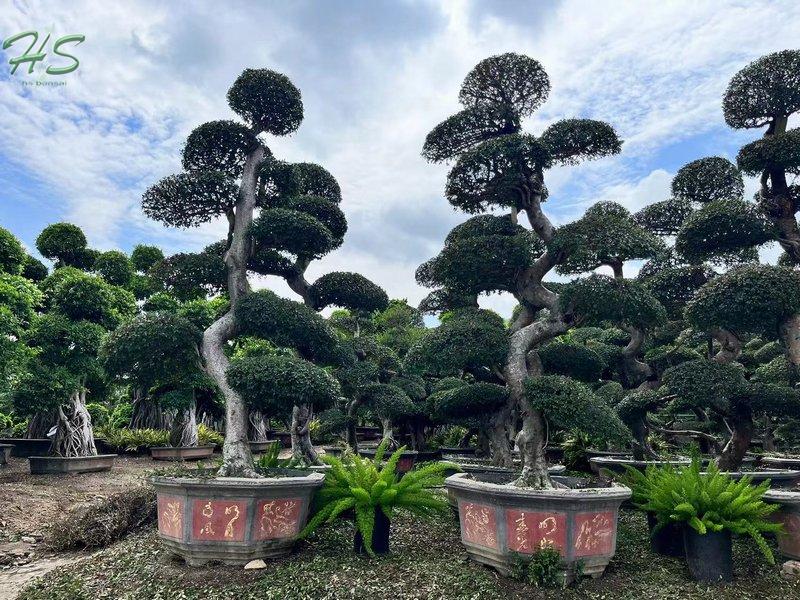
478	524
170	516
277	518
594	533
219	520
527	532
789	540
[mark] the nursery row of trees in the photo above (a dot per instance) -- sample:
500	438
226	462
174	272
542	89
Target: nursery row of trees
703	328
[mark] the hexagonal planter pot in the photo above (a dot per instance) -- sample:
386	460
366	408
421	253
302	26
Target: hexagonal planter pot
233	520
261	447
789	515
5	453
41	465
781	462
778	478
181	452
23	448
500	523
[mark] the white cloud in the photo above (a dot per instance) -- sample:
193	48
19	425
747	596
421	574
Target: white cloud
373	85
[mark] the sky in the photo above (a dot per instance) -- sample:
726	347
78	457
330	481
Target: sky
375	77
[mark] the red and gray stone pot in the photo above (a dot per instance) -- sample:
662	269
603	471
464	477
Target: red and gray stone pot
233	520
41	465
501	523
789	515
5	453
23	448
182	452
408	458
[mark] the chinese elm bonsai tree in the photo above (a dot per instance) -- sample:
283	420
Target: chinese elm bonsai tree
497	166
230	172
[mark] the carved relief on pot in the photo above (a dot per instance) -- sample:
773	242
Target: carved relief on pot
594	533
170	516
527	532
478	524
277	518
219	520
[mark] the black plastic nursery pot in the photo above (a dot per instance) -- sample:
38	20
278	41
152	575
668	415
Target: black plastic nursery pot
667	541
233	520
709	556
380	535
23	447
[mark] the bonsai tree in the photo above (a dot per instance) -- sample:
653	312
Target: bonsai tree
228	171
499	167
65	244
766	93
161	351
67	338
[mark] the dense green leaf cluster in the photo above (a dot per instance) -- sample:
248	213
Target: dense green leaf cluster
751	298
348	290
65	243
573	360
12	254
192	275
665	217
569	404
280	180
511	79
675	286
708	179
275	384
290	324
292	231
218	146
468	402
723	227
706	383
467	128
780	151
34	269
767	88
144	257
267	101
599	298
190	199
572	140
114	267
387	401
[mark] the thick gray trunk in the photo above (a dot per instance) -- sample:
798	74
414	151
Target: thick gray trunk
730	346
236	457
736	448
634	371
40	424
499	446
790	335
74	434
388	434
147	414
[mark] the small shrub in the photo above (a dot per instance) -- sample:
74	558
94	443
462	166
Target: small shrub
207	436
100	523
134	440
545	568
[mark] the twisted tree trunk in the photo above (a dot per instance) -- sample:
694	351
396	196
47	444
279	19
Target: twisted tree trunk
74	434
634	371
40	424
236	457
258	426
146	413
730	346
184	427
734	451
302	448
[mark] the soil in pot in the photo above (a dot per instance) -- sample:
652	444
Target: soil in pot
667	541
709	557
380	535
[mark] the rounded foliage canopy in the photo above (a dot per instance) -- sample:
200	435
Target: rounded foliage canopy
274	384
92	299
722	227
34	269
747	299
292	231
705	383
218	146
469	401
348	290
388	401
290	324
776	152
472	340
573	360
573	140
675	286
190	199
153	348
665	217
708	179
469	127
114	267
600	298
507	79
144	257
193	275
267	101
767	88
12	254
569	404
62	242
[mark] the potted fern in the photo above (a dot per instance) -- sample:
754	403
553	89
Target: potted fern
711	506
371	490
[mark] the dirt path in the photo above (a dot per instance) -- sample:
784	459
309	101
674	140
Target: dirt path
14	579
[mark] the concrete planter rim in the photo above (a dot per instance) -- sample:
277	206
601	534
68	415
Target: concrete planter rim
463	481
769	473
312	478
611	460
786	497
67	458
203	447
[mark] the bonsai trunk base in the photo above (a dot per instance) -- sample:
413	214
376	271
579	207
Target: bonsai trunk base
500	522
181	452
380	536
709	557
233	520
41	465
5	453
